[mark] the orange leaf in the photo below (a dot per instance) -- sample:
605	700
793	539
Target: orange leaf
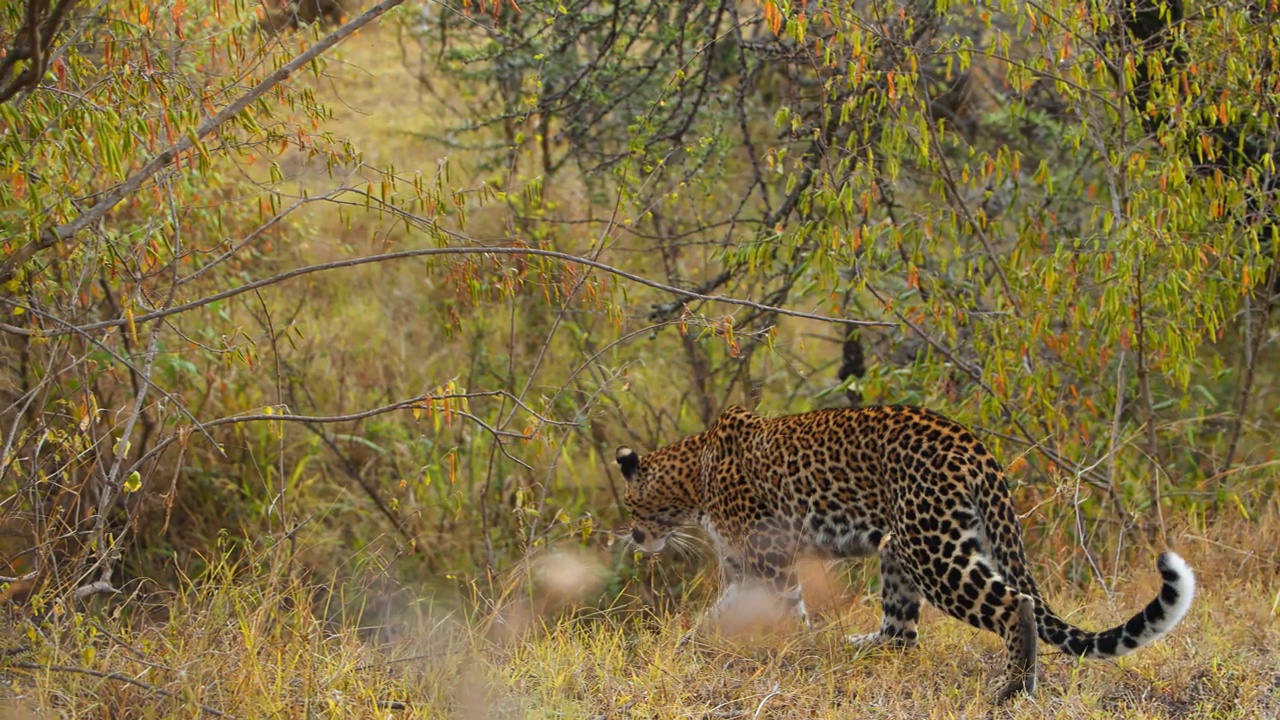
774	16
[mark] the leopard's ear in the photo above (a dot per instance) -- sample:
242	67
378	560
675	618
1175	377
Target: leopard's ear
629	461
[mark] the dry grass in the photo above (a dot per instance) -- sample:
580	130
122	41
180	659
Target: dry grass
256	644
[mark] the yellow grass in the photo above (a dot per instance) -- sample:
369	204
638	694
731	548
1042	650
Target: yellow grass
256	645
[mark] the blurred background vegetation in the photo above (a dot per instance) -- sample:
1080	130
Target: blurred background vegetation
365	307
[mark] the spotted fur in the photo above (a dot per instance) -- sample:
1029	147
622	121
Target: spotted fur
907	483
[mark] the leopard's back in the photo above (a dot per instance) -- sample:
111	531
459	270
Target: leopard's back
845	478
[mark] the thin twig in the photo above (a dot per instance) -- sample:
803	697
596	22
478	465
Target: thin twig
114	484
73	330
1148	402
975	374
1112	449
420	402
766	699
1254	340
412	403
1247	553
271	222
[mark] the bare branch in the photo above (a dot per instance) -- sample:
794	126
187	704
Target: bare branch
101	587
420	401
32	43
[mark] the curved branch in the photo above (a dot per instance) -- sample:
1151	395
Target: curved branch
413	402
432	252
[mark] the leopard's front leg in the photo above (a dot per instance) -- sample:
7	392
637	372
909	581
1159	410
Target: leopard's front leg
756	599
732	577
771	556
761	581
740	586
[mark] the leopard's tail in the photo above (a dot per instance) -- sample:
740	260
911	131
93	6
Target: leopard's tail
1155	621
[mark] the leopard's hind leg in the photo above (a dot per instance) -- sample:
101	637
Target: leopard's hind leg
947	558
968	588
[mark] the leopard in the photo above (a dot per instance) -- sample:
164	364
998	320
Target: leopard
905	483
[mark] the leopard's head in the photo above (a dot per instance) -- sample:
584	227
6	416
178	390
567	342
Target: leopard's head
661	494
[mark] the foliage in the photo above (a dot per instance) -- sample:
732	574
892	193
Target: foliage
1066	214
124	207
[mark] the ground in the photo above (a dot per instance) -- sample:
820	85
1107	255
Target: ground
231	647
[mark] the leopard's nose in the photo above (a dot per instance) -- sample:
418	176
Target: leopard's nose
637	536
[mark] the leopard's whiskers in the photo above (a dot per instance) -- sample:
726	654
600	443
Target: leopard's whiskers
684	544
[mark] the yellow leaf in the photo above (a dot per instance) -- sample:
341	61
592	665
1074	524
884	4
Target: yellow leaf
1240	507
